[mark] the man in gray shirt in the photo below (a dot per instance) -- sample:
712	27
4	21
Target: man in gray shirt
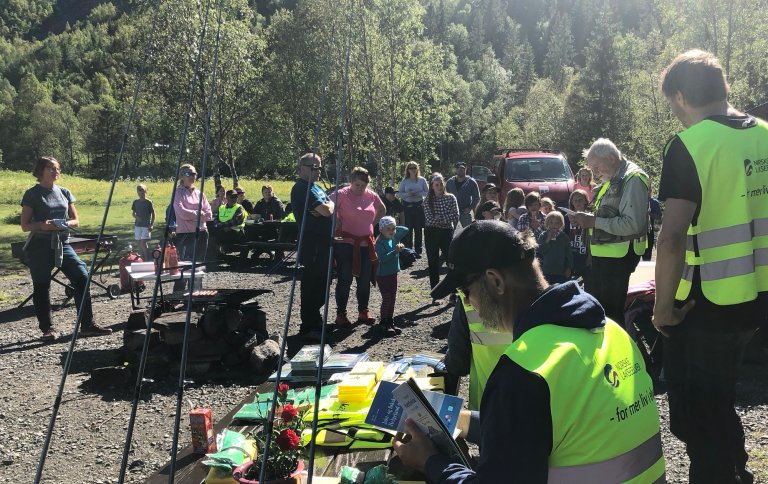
466	191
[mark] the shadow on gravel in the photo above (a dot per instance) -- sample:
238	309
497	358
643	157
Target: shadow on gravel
419	273
85	360
13	314
30	344
372	336
441	330
419	313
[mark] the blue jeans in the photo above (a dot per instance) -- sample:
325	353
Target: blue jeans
343	253
40	261
414	220
185	245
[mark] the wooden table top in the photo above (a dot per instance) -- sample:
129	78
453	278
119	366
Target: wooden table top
328	460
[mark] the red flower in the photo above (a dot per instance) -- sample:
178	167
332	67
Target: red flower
289	413
287	440
282	388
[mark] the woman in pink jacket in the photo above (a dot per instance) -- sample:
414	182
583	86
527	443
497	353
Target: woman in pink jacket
185	205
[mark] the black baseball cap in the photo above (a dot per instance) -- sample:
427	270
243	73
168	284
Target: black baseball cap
231	193
461	164
485	244
490	186
389	190
239	190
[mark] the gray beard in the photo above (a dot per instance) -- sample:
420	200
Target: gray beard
489	310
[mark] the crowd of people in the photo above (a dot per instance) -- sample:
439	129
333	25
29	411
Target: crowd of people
553	376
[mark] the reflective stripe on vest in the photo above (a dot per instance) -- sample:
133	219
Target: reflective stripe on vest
731	251
601	402
487	348
490	338
621	468
617	250
728	235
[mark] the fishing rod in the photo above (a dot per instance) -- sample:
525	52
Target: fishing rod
161	258
185	339
329	270
86	293
283	342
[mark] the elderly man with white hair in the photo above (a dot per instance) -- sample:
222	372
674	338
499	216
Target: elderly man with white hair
617	228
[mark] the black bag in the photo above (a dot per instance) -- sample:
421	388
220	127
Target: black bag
407	258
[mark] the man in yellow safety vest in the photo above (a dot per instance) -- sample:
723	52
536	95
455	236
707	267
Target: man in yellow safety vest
230	220
618	229
569	401
712	262
473	349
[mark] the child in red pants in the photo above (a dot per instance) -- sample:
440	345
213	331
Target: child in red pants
388	249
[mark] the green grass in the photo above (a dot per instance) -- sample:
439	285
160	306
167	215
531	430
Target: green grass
91	198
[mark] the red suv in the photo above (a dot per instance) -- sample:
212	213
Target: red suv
543	171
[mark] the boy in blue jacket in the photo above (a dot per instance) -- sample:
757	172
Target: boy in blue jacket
388	248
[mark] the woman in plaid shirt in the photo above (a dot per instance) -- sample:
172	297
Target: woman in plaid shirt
441	213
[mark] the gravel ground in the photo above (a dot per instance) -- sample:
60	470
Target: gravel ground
91	428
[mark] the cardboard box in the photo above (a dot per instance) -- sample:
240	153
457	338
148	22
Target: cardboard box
201	428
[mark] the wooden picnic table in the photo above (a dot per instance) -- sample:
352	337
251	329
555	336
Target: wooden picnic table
328	460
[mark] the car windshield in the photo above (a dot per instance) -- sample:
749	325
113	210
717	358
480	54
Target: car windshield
535	169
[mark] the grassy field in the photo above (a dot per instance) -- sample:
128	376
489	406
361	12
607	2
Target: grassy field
91	201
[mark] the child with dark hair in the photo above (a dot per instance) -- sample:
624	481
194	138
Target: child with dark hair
388	248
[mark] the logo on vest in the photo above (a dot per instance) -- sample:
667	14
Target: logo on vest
755	166
611	376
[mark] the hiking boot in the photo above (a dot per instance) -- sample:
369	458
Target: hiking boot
49	335
365	316
343	321
94	330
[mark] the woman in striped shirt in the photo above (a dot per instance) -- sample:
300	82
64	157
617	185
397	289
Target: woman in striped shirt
441	213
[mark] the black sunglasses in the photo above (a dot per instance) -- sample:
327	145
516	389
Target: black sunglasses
464	288
189	173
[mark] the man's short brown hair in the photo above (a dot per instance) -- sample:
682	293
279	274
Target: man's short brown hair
698	76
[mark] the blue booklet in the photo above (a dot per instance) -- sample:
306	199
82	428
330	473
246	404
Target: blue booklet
435	413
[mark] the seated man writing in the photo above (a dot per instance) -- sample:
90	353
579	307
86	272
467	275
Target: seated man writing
569	401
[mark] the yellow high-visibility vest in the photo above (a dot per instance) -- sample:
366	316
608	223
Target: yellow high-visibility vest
728	242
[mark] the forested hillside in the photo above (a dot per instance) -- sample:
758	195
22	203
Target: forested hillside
432	80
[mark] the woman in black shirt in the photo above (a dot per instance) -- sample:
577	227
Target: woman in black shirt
46	211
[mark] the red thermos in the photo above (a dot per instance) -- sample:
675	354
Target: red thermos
171	259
